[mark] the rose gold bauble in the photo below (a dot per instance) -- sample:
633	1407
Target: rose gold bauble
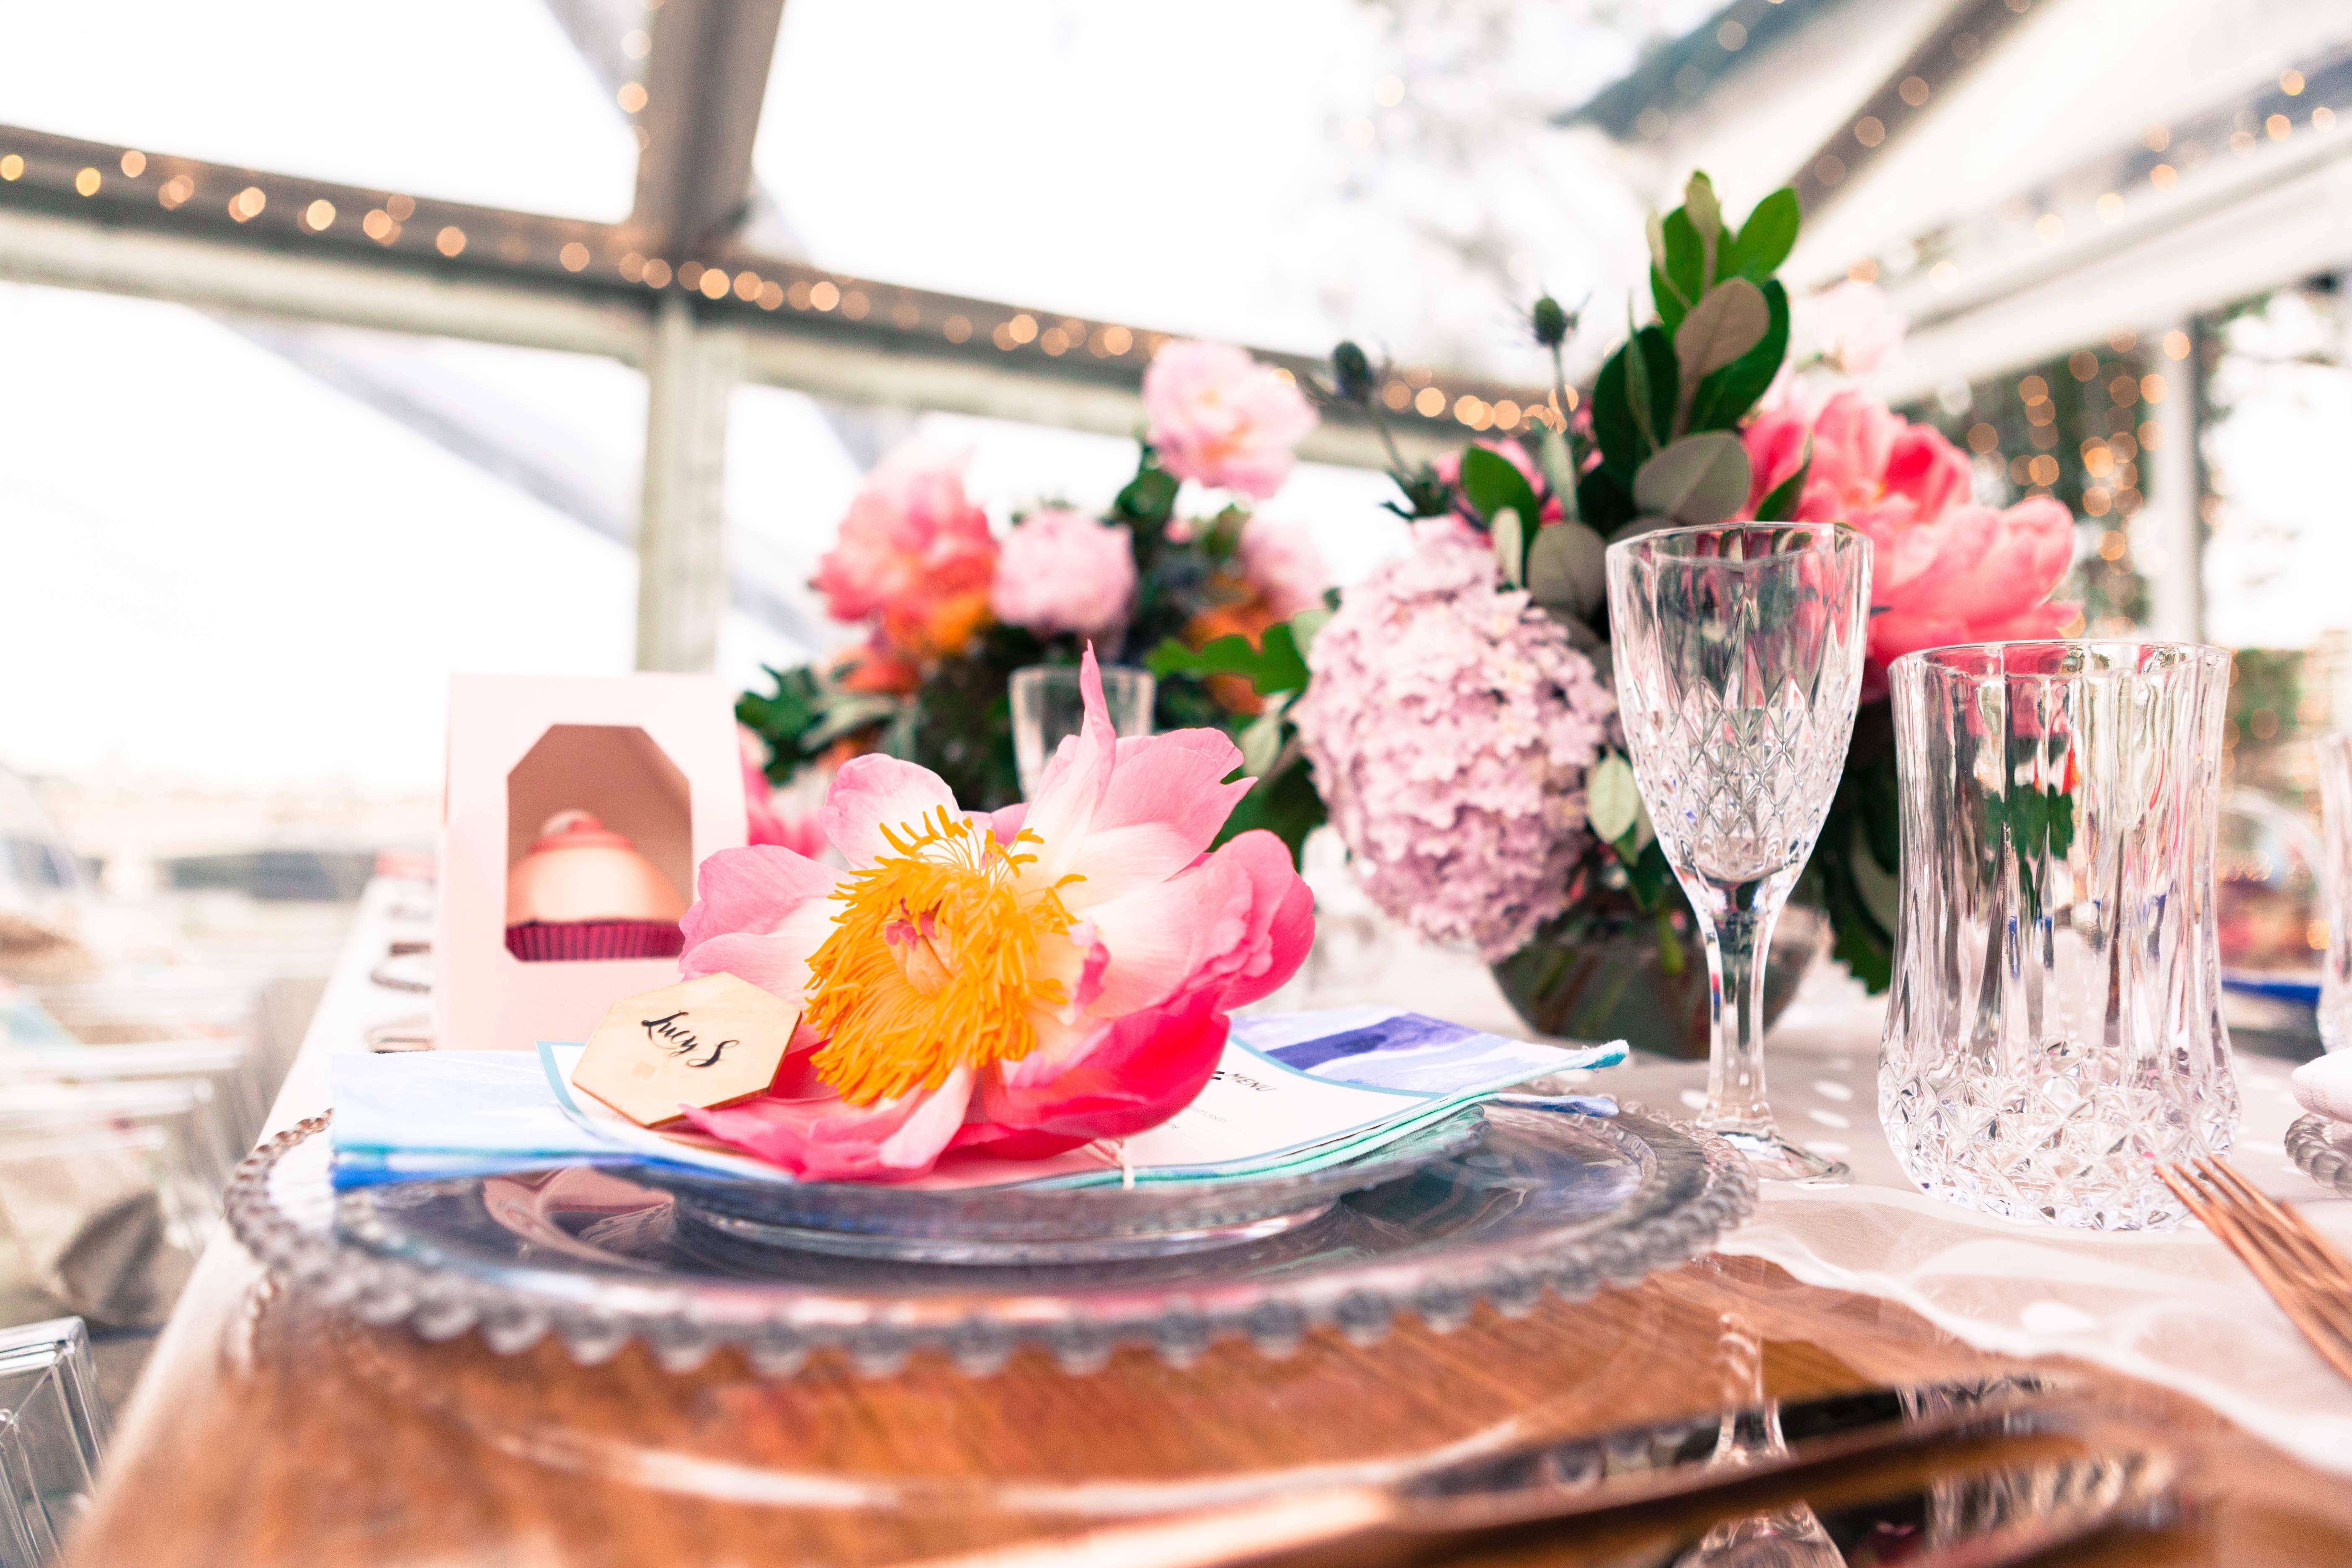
579	870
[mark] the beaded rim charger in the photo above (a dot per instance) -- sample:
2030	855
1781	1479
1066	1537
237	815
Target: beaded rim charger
1544	1200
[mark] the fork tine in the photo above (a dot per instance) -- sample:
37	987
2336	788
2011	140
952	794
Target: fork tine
2319	1252
2258	1243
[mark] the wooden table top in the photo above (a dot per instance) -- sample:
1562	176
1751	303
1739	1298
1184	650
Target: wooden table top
272	1432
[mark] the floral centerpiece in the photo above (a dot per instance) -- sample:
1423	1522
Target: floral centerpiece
1459	721
1218	606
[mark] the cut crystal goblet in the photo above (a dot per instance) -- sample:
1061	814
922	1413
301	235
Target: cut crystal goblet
1739	655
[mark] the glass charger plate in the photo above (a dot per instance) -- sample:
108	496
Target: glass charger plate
1090	1225
2322	1149
1542	1200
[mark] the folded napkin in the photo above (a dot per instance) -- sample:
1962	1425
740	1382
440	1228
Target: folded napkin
2324	1086
1293	1092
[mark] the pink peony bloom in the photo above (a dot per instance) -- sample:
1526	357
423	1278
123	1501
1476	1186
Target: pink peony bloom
1450	724
915	553
1868	462
1062	570
1974	575
1283	567
1219	416
1020	983
1943	570
768	820
1856	327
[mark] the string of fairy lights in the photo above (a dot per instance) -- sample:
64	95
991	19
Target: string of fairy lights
52	173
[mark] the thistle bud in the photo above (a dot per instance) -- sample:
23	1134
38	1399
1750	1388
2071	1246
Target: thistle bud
1552	323
1352	373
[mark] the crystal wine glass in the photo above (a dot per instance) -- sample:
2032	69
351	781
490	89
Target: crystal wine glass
1739	654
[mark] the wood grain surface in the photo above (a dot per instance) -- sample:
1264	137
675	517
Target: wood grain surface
272	1432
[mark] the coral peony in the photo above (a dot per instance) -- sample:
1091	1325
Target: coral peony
1450	725
1219	416
1856	327
1062	570
914	553
1868	462
1974	575
1943	570
1283	568
1020	983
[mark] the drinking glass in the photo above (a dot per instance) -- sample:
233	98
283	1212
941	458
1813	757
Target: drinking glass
2335	889
2055	1030
1047	709
1738	663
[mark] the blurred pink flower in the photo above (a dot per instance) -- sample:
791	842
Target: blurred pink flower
765	814
1062	570
1856	327
1868	462
914	555
1283	567
1020	983
1219	416
1974	575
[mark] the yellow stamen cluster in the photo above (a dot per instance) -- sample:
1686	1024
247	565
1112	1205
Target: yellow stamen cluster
934	963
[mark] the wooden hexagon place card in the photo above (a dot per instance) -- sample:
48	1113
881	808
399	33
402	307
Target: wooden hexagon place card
707	1043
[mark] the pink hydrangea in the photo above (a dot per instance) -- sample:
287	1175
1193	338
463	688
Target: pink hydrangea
1062	570
914	555
1219	416
1450	725
1282	565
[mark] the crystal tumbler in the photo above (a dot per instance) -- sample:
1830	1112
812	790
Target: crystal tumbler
1738	663
2335	889
2055	1032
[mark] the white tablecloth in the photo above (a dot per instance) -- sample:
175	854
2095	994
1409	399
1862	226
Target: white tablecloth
2175	1309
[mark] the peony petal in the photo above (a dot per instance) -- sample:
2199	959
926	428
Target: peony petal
821	1139
752	890
776	962
1149	1067
873	792
1239	924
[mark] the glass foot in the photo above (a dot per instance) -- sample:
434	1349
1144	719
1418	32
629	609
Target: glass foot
1778	1160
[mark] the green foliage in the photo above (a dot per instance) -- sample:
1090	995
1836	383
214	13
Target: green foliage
1273	665
1725	398
1283	803
1492	482
1765	241
781	718
1628	429
1780	504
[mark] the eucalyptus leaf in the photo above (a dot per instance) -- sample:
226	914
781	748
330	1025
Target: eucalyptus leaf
1612	803
1699	202
1261	739
1552	461
1780	504
1656	230
1700	479
1306	626
1510	547
1492	483
1566	568
1725	398
1765	242
1731	320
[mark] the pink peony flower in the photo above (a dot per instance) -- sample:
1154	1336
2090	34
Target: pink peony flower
768	820
1062	570
1943	570
1856	327
1974	575
915	553
1450	725
1023	982
1219	416
1284	569
1868	462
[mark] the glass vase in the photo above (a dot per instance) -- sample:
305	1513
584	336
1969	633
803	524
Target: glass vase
2335	889
2055	1030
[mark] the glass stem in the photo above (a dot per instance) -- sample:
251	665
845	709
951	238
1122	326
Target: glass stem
1737	939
